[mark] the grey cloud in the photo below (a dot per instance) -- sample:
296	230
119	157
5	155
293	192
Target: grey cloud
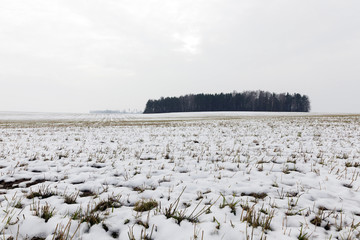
118	54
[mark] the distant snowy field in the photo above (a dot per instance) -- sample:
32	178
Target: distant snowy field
179	176
101	117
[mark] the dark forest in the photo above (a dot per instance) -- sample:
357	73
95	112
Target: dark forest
245	101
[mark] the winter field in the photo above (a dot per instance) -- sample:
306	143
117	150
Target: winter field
179	176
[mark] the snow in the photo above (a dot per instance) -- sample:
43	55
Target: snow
39	116
225	175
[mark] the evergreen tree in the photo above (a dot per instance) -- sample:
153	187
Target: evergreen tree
245	101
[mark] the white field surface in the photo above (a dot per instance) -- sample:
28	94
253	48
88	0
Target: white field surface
204	176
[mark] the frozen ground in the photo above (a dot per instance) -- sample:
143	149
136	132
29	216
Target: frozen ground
179	176
25	116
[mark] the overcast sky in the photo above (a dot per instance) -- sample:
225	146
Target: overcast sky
81	55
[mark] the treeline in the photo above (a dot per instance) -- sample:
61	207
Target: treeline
245	101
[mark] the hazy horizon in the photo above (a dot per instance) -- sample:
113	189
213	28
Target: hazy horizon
77	56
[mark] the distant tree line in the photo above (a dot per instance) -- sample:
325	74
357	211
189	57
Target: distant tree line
125	111
245	101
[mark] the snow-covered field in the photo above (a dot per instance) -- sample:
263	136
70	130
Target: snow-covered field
179	176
